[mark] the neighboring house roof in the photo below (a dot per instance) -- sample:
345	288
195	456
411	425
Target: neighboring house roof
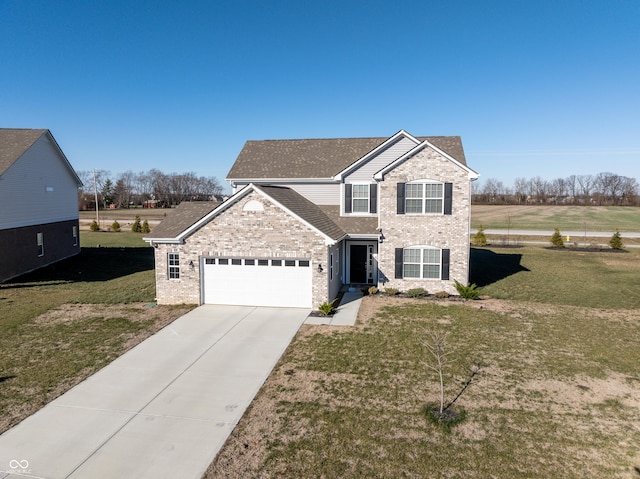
317	158
181	217
14	142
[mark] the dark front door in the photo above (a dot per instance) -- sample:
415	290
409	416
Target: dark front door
358	263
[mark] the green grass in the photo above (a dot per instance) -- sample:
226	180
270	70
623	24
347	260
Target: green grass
556	398
98	301
594	280
567	218
110	239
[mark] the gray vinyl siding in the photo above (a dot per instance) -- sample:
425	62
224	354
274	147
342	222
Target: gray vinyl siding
365	172
38	188
318	193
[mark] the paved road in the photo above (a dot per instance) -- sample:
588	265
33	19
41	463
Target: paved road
574	234
163	409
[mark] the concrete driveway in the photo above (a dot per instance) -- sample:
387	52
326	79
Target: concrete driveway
163	409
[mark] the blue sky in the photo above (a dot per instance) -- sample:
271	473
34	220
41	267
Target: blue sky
539	88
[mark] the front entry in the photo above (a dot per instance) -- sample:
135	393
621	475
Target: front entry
362	268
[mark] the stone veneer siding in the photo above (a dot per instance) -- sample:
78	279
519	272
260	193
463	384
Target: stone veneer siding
271	233
437	230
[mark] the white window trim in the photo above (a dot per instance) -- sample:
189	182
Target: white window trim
422	262
424	182
173	267
368	199
40	243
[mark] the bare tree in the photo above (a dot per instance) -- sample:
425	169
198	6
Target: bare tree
520	190
436	344
585	183
572	187
540	189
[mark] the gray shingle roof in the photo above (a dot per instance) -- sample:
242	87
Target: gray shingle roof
354	225
316	158
180	218
14	142
305	209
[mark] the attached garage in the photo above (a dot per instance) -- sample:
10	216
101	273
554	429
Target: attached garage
277	282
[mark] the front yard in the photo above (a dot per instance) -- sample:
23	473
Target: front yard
558	395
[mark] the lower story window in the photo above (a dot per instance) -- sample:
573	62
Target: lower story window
40	241
74	232
174	265
421	263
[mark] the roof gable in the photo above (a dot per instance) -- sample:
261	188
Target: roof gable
14	143
187	219
425	144
318	158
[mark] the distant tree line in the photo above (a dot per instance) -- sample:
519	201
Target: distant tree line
151	189
600	189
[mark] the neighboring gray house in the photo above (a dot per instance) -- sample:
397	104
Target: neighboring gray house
310	216
38	202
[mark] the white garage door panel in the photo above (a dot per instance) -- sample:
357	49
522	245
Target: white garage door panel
281	286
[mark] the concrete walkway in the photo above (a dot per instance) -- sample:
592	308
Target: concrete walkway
346	313
163	409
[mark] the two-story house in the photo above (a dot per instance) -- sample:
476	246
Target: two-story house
310	216
38	202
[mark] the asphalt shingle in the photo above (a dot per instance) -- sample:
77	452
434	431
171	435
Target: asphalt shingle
14	142
316	158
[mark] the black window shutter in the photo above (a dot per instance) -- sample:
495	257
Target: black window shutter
399	260
448	198
347	198
446	253
400	193
373	198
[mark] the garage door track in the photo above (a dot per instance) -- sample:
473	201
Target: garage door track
163	409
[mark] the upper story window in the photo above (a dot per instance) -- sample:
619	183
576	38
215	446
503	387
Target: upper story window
425	197
360	198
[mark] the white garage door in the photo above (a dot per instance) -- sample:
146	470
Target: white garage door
258	282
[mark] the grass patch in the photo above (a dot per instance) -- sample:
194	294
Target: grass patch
112	239
532	273
567	218
558	395
60	324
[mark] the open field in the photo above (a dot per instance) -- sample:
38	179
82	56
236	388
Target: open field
558	395
568	218
126	214
61	324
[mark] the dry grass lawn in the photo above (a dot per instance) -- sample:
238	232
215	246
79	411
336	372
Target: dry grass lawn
558	396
